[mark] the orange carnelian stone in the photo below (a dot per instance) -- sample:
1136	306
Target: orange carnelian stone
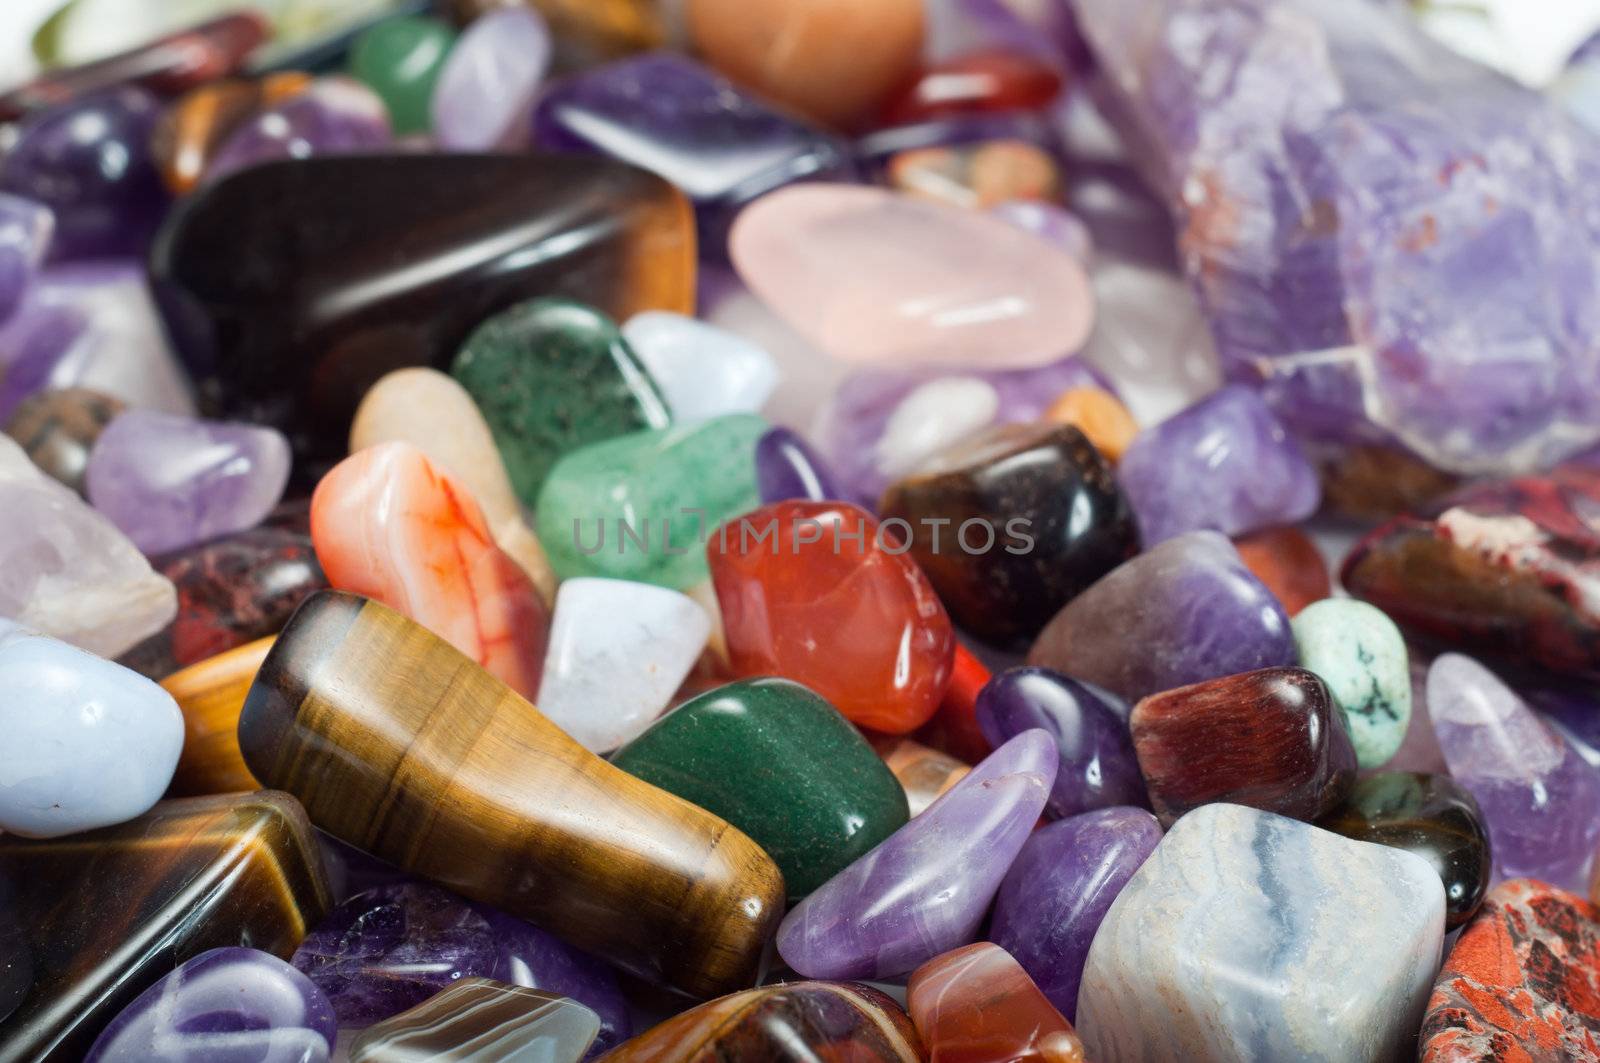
1289	563
977	1005
810	591
389	524
1099	416
954	728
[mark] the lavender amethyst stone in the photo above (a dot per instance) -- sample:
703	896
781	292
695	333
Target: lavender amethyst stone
1540	799
787	468
490	79
1098	767
335	116
393	947
924	889
1050	223
1059	889
1185	611
89	161
1394	242
1225	463
670	115
224	1006
25	230
170	482
882	424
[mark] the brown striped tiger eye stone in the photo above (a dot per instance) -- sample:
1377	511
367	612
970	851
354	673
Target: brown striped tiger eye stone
479	1020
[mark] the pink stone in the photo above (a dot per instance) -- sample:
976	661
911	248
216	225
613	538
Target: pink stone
873	277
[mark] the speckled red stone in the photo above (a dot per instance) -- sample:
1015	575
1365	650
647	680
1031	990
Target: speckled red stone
1522	984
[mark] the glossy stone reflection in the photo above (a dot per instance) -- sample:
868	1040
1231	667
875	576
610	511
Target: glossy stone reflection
1430	815
326	309
976	1005
787	468
211	695
192	129
479	1020
58	429
1029	515
331	116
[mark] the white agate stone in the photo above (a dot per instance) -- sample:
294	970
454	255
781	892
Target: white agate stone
66	571
88	743
703	371
618	651
1250	936
938	414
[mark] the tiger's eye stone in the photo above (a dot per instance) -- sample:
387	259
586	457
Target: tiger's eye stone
480	1020
192	129
924	774
1100	416
828	601
1011	524
211	695
1507	568
401	59
106	914
1271	739
1434	817
551	376
796	1022
977	1005
363	265
231	591
993	79
979	175
1289	563
58	428
731	751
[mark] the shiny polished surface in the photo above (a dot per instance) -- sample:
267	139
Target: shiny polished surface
350	713
359	266
976	1004
190	132
479	1020
211	695
107	914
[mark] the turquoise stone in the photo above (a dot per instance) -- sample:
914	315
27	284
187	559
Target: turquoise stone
1359	653
642	506
550	376
781	764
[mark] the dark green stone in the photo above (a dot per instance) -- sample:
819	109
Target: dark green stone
781	764
550	376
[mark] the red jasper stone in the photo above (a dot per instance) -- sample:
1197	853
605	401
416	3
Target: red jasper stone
1272	739
1510	568
1289	563
982	81
810	591
977	1005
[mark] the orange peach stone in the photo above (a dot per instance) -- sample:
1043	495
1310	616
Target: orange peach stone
924	774
389	524
977	1005
977	175
837	61
1289	563
1099	416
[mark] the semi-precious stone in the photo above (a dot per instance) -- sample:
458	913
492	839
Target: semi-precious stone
480	1020
1361	655
26	227
197	124
68	571
169	482
976	1002
1186	611
703	371
88	743
1290	563
618	651
225	1004
1315	947
788	468
1059	889
400	58
926	888
58	429
924	282
334	116
1226	463
1540	799
925	774
490	79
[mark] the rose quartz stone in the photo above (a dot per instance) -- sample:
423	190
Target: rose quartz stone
874	277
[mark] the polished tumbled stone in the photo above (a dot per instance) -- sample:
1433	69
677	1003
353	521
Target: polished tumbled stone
1251	936
703	371
1361	655
480	1020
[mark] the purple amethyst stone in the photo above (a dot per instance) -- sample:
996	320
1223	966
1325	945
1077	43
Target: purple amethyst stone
25	230
393	947
787	468
335	116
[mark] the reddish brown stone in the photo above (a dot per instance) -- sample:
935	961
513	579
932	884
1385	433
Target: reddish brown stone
1272	739
1289	563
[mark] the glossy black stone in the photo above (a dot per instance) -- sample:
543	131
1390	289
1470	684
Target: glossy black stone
1432	816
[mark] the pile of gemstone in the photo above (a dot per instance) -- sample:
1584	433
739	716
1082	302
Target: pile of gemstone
790	530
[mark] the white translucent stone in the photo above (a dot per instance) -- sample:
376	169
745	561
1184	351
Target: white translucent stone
704	371
934	416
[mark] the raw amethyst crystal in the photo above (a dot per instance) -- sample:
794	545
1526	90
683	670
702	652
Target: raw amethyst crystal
89	162
1225	463
668	114
335	116
393	947
1394	242
25	230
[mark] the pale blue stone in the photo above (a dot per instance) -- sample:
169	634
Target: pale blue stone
1360	654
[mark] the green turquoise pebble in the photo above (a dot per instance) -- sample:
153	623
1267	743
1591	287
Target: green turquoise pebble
1360	654
640	506
400	59
781	764
551	376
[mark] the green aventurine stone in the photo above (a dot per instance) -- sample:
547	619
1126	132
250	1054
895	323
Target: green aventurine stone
400	59
641	506
550	376
781	764
1359	653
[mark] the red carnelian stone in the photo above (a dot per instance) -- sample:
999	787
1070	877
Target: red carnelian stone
989	80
